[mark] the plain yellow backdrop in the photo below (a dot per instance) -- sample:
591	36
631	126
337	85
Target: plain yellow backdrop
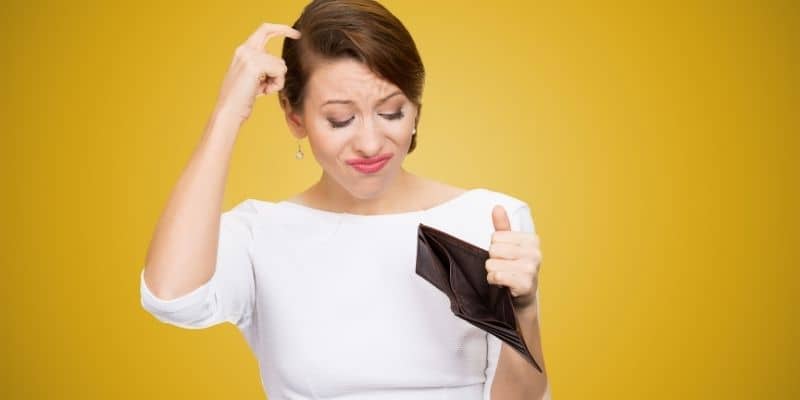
657	145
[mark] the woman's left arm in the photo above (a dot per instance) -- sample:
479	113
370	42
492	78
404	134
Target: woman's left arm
514	259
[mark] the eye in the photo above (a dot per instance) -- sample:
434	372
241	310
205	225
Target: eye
397	115
340	124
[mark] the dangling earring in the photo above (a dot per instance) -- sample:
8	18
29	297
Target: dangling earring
414	132
299	154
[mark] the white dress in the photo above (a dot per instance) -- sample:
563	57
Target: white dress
332	307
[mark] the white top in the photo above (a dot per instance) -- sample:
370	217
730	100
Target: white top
331	304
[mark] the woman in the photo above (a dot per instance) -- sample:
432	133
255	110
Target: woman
323	285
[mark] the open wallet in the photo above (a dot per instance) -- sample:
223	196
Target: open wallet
458	268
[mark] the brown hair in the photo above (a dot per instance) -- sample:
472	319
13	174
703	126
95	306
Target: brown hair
363	30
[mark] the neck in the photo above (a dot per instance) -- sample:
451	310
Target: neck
328	194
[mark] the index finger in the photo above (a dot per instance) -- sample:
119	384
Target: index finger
261	36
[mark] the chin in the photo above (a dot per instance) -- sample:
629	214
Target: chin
370	187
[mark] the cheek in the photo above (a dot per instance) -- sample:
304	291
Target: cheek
399	131
329	143
326	141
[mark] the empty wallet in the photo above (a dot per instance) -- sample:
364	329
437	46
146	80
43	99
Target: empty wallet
458	268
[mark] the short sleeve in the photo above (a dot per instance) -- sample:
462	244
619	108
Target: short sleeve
521	221
229	295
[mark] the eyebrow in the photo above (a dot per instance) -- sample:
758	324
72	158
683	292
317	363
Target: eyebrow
381	101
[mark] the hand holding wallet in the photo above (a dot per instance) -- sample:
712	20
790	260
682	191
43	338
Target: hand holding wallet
457	268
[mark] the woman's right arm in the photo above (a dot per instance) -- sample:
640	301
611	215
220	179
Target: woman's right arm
183	251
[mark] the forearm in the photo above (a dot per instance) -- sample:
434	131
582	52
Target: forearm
515	377
182	252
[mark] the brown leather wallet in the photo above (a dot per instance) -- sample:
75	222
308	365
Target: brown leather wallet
458	268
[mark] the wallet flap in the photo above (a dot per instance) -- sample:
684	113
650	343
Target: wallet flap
458	268
428	266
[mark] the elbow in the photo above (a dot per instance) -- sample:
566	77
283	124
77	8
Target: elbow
156	288
195	309
161	289
162	293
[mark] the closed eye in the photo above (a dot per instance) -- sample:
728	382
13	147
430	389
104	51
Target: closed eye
341	124
396	115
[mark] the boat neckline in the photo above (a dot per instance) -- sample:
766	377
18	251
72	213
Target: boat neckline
320	211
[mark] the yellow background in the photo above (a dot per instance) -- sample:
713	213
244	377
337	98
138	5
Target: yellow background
656	144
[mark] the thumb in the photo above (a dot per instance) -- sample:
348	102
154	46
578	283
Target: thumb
500	219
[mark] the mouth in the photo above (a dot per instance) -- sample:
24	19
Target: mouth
370	165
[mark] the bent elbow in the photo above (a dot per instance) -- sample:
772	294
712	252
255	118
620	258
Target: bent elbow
193	310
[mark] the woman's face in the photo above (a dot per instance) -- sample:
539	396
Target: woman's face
351	115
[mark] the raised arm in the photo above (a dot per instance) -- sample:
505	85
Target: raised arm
183	250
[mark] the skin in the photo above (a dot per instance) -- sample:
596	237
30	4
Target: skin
182	253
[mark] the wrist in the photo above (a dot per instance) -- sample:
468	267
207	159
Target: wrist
530	311
221	130
226	117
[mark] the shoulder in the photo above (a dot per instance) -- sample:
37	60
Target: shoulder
246	211
442	193
439	191
470	216
257	216
261	212
517	209
246	208
488	198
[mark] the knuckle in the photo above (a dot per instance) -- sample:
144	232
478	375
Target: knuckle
530	267
528	252
252	66
498	277
275	63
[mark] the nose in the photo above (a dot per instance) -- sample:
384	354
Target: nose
368	139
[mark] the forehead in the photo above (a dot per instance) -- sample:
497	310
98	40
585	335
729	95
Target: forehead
346	79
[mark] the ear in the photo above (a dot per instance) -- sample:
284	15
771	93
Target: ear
293	119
